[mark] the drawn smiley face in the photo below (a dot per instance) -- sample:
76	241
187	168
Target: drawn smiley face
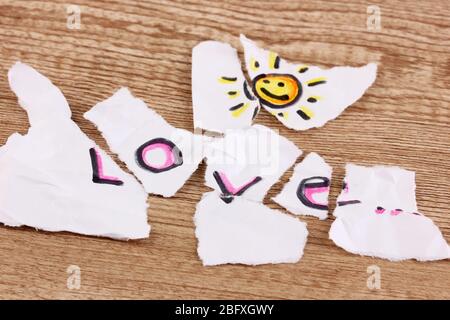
277	90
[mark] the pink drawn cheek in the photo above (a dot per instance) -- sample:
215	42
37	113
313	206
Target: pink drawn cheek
396	212
380	210
345	187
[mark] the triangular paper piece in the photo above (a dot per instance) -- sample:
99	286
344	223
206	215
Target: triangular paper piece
376	215
307	191
161	156
47	176
302	97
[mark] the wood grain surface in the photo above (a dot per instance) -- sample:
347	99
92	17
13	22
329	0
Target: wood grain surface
403	120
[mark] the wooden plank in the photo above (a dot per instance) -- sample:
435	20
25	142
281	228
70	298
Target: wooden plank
146	45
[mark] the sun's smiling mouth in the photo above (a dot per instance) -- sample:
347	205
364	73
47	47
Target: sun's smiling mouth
283	97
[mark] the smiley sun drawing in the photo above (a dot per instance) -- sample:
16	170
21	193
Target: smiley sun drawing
278	91
302	97
279	85
299	96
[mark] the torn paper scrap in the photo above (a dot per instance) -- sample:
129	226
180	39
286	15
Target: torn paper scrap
248	161
221	97
246	232
56	179
377	216
386	186
161	156
307	191
303	97
232	223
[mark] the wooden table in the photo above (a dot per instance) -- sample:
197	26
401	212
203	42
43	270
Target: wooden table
403	120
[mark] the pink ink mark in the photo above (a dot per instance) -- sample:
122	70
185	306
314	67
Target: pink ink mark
345	187
396	212
234	190
380	210
100	173
170	158
310	186
309	191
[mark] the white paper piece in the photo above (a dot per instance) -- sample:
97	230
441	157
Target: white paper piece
377	216
307	191
303	97
56	179
161	156
246	156
221	97
246	232
232	224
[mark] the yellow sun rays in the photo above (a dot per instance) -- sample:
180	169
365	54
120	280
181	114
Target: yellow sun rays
313	99
284	115
227	80
254	65
302	69
315	81
238	109
233	94
305	112
274	60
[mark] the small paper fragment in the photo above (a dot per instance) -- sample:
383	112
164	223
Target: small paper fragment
246	232
161	156
388	187
300	96
232	223
55	178
376	215
243	155
307	191
221	97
